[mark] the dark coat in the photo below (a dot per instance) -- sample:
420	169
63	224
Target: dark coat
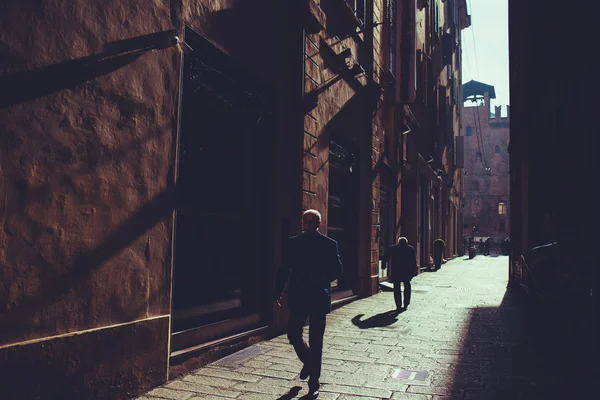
438	250
404	262
310	263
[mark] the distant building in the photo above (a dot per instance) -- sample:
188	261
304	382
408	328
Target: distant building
486	165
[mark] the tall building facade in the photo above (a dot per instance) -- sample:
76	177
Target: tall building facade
486	166
429	110
154	158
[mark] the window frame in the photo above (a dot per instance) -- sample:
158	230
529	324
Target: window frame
502	207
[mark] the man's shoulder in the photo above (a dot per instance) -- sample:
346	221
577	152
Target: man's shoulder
326	238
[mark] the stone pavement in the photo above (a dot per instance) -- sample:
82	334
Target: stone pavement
464	336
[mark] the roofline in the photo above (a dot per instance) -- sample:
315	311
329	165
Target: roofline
463	14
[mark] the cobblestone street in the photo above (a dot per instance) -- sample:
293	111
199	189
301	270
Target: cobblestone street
464	336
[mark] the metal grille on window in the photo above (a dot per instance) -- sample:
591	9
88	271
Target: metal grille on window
390	15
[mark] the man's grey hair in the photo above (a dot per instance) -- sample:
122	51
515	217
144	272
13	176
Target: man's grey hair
403	241
313	212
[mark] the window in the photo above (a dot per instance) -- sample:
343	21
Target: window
502	208
478	156
502	227
476	186
469	131
476	202
497	149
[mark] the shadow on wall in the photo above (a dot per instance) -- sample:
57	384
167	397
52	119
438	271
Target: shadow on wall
505	354
340	20
69	174
21	318
259	38
24	86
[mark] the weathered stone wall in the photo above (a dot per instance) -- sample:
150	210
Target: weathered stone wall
88	123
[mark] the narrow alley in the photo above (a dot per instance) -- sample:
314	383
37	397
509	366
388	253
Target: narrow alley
464	336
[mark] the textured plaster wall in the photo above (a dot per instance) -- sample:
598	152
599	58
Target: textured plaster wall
86	164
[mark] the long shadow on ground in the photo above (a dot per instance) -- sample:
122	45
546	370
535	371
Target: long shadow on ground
384	319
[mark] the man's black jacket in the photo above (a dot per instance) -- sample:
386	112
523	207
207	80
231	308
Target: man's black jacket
404	262
310	263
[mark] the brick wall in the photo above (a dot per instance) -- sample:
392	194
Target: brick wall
484	189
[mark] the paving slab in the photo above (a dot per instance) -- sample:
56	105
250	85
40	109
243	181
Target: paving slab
464	336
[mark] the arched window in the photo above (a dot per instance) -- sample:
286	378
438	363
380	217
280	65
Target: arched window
502	207
469	131
497	149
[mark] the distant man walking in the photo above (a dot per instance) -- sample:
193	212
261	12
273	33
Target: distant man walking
310	262
486	247
438	252
404	268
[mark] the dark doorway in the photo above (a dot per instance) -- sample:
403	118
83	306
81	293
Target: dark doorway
386	220
342	211
219	266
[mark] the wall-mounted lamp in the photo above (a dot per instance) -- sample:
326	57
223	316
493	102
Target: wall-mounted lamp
407	130
377	23
182	45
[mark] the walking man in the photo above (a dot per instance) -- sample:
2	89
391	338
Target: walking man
438	252
404	268
310	263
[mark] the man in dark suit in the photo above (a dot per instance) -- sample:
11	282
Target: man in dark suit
404	268
310	263
438	252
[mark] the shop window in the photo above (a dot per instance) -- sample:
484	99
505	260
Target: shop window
469	131
502	208
224	129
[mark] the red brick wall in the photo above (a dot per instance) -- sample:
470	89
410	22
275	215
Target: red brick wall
481	206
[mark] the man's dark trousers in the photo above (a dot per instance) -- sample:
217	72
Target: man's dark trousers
310	356
310	263
437	260
398	293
